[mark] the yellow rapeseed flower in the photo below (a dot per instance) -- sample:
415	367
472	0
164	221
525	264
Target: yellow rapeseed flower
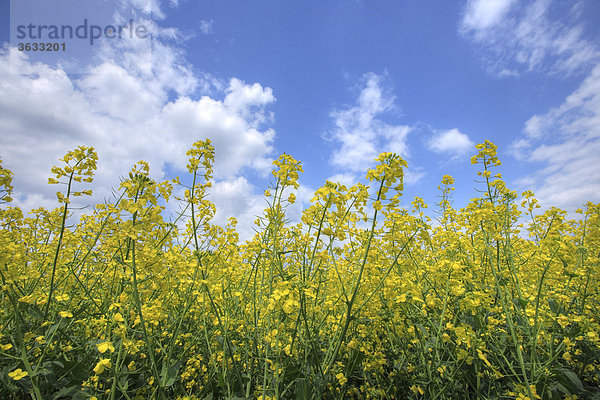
18	374
327	231
417	389
341	378
562	321
118	318
104	346
103	364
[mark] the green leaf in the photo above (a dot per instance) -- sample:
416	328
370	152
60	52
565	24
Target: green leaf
169	378
123	382
356	358
569	380
66	392
302	392
520	303
554	306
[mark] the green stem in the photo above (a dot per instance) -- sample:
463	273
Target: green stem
58	246
350	303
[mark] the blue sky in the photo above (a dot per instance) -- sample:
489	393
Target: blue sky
331	82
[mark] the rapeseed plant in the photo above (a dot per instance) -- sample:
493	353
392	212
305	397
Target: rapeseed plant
361	298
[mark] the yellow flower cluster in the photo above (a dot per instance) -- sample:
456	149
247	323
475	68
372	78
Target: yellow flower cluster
361	298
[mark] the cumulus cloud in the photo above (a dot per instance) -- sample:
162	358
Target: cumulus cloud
566	141
249	100
126	118
517	37
452	142
238	144
236	197
361	132
130	109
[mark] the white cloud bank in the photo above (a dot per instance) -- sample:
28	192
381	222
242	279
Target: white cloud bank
129	110
561	147
516	37
126	117
566	140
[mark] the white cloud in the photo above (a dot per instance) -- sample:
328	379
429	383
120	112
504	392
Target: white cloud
483	14
126	117
361	132
396	137
413	175
533	36
206	26
237	143
249	101
148	7
238	198
130	109
452	142
343	179
567	141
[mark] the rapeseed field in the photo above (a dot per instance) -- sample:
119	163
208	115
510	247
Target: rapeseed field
362	299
